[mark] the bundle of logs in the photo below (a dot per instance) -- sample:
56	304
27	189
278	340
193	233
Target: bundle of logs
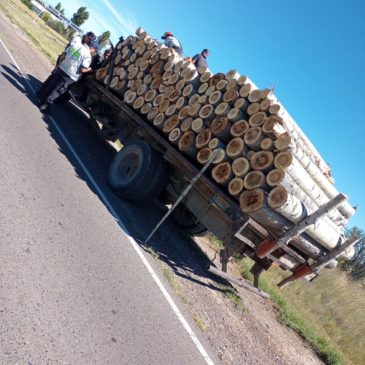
264	160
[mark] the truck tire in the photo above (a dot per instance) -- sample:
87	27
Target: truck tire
187	221
138	173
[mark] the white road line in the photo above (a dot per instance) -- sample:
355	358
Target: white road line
134	244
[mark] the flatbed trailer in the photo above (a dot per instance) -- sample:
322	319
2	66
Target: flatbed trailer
206	203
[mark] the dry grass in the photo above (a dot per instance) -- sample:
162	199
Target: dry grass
43	37
328	313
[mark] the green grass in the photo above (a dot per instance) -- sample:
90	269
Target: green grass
328	313
45	39
232	295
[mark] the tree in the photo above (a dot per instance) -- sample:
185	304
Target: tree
80	16
104	38
356	265
46	16
59	8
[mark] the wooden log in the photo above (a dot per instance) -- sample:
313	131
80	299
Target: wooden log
203	99
171	110
263	161
249	154
232	85
101	73
222	173
230	96
205	77
220	157
204	155
239	128
235	148
130	96
180	85
203	138
234	115
216	78
207	112
186	124
146	108
203	88
290	207
194	110
215	143
284	142
278	177
221	85
215	97
273	127
198	125
159	120
265	105
235	186
181	102
184	112
245	90
220	128
242	80
210	90
267	144
150	96
241	103
252	201
232	75
253	138
300	176
194	99
241	166
255	96
142	90
257	119
163	106
152	113
121	87
158	99
187	144
156	83
222	109
254	179
175	94
171	123
253	109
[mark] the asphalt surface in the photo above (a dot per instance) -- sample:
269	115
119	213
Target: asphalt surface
72	288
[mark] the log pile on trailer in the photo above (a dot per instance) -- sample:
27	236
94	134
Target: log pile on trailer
263	160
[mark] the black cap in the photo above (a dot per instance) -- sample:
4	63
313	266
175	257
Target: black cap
91	35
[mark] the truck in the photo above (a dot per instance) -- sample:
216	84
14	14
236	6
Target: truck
149	166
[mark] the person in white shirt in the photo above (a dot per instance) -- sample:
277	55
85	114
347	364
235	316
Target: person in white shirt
76	61
172	42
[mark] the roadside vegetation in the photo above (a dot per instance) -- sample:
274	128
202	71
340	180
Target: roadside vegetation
327	313
45	39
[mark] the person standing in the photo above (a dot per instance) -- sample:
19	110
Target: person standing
172	42
200	59
76	61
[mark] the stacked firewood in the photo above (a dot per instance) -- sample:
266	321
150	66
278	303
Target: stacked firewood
263	158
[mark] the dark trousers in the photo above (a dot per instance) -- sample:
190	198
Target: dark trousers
57	84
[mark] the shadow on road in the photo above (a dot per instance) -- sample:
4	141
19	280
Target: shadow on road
170	243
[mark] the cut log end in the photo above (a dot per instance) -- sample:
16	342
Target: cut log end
203	138
235	147
275	177
235	186
204	155
240	166
252	201
262	160
277	197
283	160
222	173
239	128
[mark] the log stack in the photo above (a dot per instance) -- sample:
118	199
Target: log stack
265	161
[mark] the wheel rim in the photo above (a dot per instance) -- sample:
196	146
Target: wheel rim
128	167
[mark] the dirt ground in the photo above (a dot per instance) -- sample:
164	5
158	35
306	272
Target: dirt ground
248	335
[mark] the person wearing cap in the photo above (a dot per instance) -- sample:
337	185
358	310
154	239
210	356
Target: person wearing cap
172	42
200	59
76	62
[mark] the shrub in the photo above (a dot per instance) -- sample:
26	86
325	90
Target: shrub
56	25
46	17
28	3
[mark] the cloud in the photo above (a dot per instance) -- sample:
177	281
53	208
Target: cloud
127	26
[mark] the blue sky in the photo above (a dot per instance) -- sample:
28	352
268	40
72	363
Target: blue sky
312	52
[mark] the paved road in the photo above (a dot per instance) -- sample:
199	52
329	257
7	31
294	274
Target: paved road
72	288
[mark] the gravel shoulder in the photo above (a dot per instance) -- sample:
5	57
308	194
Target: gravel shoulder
247	334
